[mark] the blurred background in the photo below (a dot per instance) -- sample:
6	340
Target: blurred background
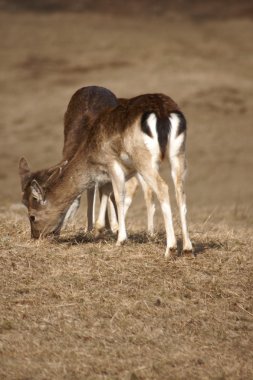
198	52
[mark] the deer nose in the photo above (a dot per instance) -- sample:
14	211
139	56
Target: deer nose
35	234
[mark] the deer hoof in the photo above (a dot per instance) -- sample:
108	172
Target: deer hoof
188	252
171	252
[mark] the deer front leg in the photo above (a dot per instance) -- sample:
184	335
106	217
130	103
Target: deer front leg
91	207
118	183
106	194
101	222
72	211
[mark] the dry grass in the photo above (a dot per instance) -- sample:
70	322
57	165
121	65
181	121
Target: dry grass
81	308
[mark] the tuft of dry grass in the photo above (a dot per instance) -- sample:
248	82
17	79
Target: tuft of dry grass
83	308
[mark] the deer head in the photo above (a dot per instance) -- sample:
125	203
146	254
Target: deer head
44	214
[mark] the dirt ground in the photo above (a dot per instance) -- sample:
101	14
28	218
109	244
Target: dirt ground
82	308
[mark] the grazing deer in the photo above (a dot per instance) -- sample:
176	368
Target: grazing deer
84	107
133	137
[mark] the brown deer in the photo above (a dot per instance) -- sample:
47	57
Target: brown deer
84	107
131	138
85	104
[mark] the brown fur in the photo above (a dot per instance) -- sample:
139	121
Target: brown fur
84	107
125	114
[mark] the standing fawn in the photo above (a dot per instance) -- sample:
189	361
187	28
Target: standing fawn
133	137
84	107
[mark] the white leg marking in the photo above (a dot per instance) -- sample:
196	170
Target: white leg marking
118	183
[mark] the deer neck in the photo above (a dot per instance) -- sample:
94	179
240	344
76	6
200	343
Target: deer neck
76	177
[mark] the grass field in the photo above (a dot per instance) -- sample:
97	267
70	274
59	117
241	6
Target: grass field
83	308
80	307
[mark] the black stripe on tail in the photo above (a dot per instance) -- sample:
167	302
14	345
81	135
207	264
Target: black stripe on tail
163	127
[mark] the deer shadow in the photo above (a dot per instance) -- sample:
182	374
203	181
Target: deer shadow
105	236
87	237
159	238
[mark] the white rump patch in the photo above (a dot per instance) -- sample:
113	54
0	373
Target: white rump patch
152	124
175	141
152	143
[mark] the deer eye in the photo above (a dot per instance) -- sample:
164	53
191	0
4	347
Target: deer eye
32	218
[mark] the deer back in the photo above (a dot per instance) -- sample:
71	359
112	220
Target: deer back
84	107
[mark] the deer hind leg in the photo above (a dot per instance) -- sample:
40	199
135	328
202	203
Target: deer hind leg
118	182
160	188
150	204
178	170
130	189
91	193
113	213
178	174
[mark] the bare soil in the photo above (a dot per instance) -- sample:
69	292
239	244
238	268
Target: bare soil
80	307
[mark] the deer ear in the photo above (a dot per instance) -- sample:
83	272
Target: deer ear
37	192
56	173
60	165
24	172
